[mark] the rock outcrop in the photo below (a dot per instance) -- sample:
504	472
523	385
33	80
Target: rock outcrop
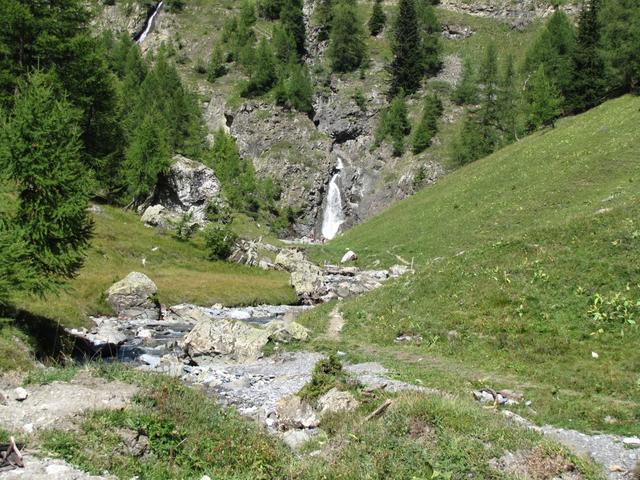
188	188
134	297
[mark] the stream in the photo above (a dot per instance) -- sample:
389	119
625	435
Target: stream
149	24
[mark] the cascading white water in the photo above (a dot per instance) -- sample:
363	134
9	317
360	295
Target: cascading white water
333	214
149	25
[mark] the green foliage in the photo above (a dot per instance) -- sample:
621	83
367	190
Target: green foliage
347	48
324	18
615	310
554	48
620	21
488	113
219	241
543	101
469	145
378	18
262	75
269	9
147	156
394	123
175	5
43	239
295	89
431	32
217	64
248	13
508	102
292	20
185	227
428	125
466	91
189	434
327	374
588	82
284	45
407	65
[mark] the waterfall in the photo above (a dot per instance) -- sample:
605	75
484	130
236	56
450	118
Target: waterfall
333	214
149	25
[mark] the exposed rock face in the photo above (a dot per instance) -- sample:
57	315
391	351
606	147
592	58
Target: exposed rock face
519	12
287	147
187	189
121	18
134	297
159	216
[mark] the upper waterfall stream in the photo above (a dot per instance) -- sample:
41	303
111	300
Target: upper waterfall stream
149	25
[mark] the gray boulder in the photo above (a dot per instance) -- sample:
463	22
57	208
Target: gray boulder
284	332
230	338
337	401
293	412
134	297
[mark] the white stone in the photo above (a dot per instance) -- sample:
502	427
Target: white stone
350	256
20	394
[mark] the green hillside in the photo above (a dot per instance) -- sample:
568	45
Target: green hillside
519	254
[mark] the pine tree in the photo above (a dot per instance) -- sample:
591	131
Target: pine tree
470	144
269	9
621	37
147	156
428	125
488	116
508	101
466	91
248	13
554	48
217	65
588	85
543	101
407	65
324	18
295	89
263	73
394	123
292	20
430	38
378	18
347	48
284	45
40	153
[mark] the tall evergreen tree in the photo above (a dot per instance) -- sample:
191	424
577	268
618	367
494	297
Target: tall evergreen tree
466	90
292	20
488	115
428	125
284	45
394	123
508	101
543	101
40	154
295	89
554	48
378	18
347	48
269	9
470	143
588	84
324	18
407	65
263	73
621	37
217	65
430	38
147	156
248	13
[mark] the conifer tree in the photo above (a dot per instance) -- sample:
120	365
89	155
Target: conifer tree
470	144
466	90
147	156
621	38
217	65
284	45
543	101
324	18
269	9
508	101
292	20
347	48
295	89
407	65
430	38
488	116
394	123
554	48
248	13
40	153
428	125
588	85
263	72
378	18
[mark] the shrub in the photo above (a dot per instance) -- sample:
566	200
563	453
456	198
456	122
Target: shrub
219	240
327	373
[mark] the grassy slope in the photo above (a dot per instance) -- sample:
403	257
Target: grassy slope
180	270
510	252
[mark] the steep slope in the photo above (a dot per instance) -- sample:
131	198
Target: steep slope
528	269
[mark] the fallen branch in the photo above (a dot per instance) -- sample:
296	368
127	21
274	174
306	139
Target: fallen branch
378	411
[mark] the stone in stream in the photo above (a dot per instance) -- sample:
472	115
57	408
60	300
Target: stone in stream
134	297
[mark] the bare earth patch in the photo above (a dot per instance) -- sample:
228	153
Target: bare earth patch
537	464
